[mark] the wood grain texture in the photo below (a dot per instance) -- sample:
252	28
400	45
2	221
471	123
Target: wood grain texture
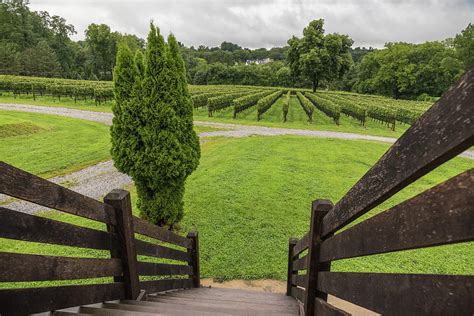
300	264
301	245
319	209
298	280
148	249
194	262
148	268
21	226
441	215
145	228
165	285
298	293
291	244
402	294
26	186
24	267
121	203
444	131
323	308
36	300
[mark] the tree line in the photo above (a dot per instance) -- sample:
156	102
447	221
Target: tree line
37	44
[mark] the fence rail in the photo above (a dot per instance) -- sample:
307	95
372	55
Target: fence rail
122	239
439	216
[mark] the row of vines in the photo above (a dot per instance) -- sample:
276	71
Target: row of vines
216	98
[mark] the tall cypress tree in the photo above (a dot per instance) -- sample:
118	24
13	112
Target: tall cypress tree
124	80
163	148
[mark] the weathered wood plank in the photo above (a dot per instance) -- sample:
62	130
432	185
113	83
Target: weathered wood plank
444	131
165	285
224	306
300	264
145	228
174	308
298	293
121	203
148	249
291	244
36	300
441	215
323	308
148	268
301	245
319	209
21	226
402	294
110	312
298	280
194	262
22	267
26	186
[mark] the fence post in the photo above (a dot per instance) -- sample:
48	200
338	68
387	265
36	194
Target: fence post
124	245
318	210
291	244
194	252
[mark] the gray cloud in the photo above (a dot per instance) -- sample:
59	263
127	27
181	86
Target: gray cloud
267	23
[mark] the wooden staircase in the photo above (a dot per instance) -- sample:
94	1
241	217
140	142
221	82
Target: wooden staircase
198	301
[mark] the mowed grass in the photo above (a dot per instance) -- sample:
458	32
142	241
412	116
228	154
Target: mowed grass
47	100
250	195
51	145
273	118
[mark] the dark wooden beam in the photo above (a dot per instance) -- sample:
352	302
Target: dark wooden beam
21	226
444	131
121	203
439	216
402	294
24	267
26	186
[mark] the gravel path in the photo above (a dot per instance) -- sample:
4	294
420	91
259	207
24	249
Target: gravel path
96	181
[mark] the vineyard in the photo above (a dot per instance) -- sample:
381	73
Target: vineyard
241	102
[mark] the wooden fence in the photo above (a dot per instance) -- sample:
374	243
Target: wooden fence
119	239
439	216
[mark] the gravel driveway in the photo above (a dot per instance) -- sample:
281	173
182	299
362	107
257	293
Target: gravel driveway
96	181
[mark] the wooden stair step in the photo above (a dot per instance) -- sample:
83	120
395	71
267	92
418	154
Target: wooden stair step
168	308
232	292
160	309
227	306
282	303
229	295
110	312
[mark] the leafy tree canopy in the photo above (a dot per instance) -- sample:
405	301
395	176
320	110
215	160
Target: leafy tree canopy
317	56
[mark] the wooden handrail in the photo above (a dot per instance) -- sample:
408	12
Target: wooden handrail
439	216
119	239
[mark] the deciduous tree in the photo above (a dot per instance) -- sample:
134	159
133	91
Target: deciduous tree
319	57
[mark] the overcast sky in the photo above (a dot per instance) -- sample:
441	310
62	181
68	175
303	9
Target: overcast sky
267	23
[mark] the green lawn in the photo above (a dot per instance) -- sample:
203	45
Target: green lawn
47	100
273	118
51	145
248	196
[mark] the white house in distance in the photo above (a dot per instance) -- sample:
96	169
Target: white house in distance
258	61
